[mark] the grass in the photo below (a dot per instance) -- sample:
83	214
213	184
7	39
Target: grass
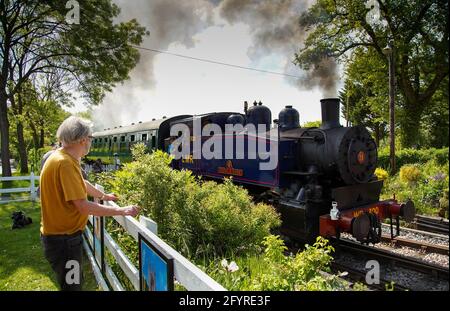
23	266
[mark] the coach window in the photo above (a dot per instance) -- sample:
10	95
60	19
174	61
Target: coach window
144	137
132	137
115	139
122	139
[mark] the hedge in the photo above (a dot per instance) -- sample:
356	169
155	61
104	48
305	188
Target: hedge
412	156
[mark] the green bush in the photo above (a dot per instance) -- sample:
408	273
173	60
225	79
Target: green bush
425	185
381	174
276	271
196	217
413	156
409	174
443	204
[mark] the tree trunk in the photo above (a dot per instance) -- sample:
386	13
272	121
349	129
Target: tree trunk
377	134
34	134
42	137
410	123
22	149
4	130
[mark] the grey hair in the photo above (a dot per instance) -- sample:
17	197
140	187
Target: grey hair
73	129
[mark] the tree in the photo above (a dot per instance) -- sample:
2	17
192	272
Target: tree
421	37
312	124
365	93
37	37
436	119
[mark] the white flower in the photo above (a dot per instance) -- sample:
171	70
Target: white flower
233	267
224	263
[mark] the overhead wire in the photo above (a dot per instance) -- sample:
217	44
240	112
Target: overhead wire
215	62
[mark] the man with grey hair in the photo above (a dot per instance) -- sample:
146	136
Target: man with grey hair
64	203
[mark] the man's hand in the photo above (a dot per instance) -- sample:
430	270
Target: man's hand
130	210
110	197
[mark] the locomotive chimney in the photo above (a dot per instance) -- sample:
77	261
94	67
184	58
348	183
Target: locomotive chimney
330	113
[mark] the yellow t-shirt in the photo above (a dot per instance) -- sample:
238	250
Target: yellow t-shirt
60	183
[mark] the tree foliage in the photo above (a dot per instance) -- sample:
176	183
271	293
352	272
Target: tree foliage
365	93
420	32
36	39
199	218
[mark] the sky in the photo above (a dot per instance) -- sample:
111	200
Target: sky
223	31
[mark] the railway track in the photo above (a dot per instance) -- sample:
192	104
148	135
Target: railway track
393	259
431	224
427	272
357	275
420	245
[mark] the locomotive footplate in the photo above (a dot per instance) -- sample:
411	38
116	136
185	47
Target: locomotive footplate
364	223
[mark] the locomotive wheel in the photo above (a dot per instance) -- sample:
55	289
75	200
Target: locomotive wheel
361	227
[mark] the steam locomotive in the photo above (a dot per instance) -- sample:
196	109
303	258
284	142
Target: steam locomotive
322	181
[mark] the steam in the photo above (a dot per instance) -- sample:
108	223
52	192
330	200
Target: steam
275	31
169	21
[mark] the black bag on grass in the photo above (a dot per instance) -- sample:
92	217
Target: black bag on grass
20	220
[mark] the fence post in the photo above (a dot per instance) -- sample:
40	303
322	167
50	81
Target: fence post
32	187
149	224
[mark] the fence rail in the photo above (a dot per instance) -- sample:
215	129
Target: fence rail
185	272
32	189
97	169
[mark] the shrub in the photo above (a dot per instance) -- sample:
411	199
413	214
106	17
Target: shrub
443	204
196	217
276	271
413	156
409	174
427	191
381	174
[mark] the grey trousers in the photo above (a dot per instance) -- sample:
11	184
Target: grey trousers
65	255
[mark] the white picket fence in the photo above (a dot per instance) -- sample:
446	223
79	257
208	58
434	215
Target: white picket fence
32	189
185	272
105	168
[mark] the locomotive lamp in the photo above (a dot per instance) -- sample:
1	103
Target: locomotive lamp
334	212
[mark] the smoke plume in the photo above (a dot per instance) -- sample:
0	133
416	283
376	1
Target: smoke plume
275	30
169	21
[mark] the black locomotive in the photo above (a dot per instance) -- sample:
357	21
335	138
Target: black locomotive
320	179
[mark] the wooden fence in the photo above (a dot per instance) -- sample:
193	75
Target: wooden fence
98	241
104	167
32	189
